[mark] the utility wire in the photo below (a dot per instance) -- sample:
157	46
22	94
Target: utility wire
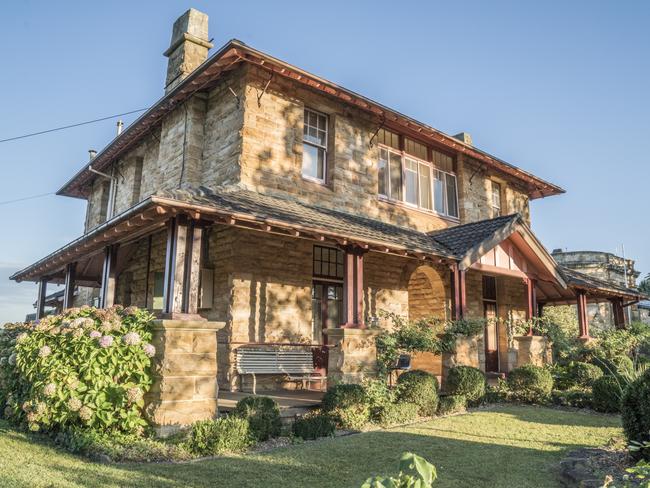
71	126
33	197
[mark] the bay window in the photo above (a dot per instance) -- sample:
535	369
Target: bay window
314	146
417	176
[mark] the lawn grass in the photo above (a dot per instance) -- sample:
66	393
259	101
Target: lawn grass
499	447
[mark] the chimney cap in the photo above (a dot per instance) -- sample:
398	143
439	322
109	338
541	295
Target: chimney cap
464	137
92	153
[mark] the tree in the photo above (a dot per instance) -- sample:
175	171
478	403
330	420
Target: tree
644	286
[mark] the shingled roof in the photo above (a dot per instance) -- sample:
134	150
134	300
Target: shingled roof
588	282
284	209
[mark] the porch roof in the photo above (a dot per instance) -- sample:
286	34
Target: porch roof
596	286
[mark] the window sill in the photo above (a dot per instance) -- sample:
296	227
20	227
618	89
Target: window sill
421	210
316	181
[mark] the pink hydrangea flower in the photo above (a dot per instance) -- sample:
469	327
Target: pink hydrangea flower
149	349
131	338
21	337
95	334
74	404
85	413
44	351
106	341
49	390
134	394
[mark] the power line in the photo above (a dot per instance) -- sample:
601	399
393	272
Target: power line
71	126
33	197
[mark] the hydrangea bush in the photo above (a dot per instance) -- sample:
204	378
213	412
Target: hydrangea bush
84	368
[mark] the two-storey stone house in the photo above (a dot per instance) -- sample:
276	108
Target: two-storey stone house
292	211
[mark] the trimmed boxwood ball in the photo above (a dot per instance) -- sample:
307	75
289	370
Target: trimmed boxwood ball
263	416
397	413
467	381
421	388
348	405
583	374
635	411
452	404
313	426
344	395
530	383
606	393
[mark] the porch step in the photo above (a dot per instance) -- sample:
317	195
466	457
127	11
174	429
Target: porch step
290	403
493	378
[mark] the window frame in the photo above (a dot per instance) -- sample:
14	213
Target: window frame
324	147
419	162
497	211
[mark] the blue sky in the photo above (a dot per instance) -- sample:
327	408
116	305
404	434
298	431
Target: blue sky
558	88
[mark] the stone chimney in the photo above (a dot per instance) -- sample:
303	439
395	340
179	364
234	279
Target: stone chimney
464	137
188	48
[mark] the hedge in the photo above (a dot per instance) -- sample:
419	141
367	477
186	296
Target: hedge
420	388
263	416
530	383
467	381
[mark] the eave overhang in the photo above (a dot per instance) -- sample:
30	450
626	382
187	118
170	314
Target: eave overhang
233	54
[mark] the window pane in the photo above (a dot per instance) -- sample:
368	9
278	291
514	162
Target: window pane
313	161
411	181
425	186
395	164
452	200
438	192
496	197
383	172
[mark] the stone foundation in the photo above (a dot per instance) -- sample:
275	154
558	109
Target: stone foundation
185	374
353	356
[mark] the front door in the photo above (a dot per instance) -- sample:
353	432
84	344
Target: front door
327	311
491	324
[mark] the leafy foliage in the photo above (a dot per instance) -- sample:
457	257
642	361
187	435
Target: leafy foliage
86	367
263	415
450	404
606	392
397	413
577	374
414	472
635	410
348	405
210	437
467	381
530	383
117	447
560	325
420	388
313	426
573	397
424	335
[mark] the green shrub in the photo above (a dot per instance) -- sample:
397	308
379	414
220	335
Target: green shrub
530	383
344	395
313	426
613	366
452	404
573	397
397	413
263	416
120	448
210	437
421	388
635	410
355	417
606	392
86	367
378	393
584	374
498	393
467	381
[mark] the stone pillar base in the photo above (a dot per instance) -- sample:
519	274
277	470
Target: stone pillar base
467	352
184	386
354	355
532	350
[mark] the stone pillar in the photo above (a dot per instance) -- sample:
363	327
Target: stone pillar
68	294
185	374
352	354
109	277
532	350
468	351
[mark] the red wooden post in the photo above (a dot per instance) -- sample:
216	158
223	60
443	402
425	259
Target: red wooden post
348	289
460	292
583	319
531	311
359	290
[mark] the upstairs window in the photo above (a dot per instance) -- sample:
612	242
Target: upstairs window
328	263
495	198
417	176
314	146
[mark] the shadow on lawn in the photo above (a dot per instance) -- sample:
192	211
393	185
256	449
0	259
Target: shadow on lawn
556	416
339	463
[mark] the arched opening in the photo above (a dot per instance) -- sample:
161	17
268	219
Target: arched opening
428	295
